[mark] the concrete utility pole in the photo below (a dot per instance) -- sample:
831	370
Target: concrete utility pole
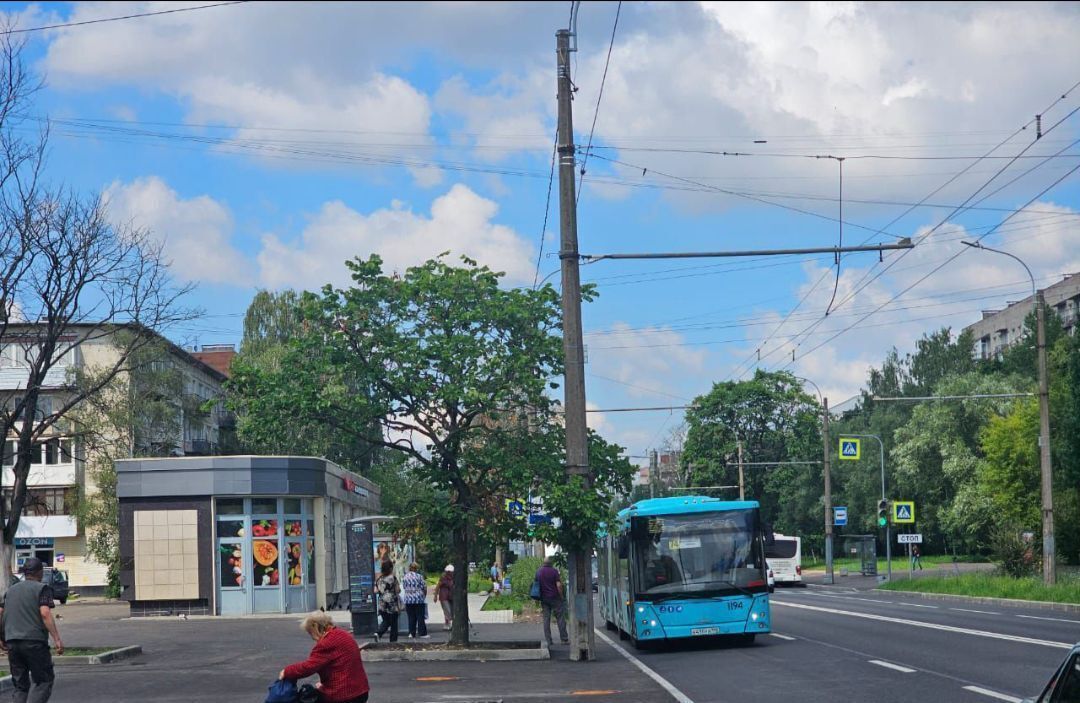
1049	555
829	574
582	639
1046	468
742	484
654	466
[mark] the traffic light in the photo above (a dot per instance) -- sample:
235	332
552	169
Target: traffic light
883	513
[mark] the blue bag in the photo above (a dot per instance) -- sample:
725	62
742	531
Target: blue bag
282	692
534	589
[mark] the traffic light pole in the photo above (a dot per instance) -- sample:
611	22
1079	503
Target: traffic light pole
888	532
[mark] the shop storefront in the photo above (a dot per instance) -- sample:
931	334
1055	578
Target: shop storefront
236	535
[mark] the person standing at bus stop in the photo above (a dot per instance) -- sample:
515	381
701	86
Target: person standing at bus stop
552	600
916	557
27	621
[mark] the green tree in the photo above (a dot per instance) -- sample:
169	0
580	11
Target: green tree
776	420
1010	473
445	366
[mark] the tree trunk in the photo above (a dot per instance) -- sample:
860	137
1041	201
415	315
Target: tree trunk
459	633
7	554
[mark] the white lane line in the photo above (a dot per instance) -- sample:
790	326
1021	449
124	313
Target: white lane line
928	625
993	694
894	667
1036	617
916	605
969	610
783	637
867	600
664	683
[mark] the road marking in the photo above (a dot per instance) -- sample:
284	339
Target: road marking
868	600
929	625
664	683
917	605
1036	617
783	637
894	667
993	694
968	610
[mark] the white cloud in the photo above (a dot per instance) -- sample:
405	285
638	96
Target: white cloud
649	362
461	222
195	232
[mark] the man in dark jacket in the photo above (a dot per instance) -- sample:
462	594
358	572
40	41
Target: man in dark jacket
26	621
552	600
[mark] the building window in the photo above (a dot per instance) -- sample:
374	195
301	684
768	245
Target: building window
43	502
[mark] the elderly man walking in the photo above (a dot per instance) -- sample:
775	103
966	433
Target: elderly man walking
27	621
552	600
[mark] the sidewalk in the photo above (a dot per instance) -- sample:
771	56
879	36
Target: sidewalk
237	659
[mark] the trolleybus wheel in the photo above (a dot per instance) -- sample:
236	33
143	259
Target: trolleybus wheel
610	626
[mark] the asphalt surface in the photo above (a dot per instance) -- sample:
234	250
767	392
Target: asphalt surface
829	644
834	644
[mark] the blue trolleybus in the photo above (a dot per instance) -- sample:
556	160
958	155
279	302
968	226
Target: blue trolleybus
685	567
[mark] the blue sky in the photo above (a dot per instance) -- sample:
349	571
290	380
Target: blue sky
265	143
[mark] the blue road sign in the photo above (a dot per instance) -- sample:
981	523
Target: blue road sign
850	449
840	516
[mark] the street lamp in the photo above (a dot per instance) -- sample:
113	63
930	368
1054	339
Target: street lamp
1049	570
829	576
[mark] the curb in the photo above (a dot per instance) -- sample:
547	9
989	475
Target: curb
986	600
103	658
6	684
541	651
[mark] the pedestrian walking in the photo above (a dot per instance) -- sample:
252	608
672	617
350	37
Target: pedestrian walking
390	603
916	557
496	579
552	600
335	658
415	588
27	621
444	595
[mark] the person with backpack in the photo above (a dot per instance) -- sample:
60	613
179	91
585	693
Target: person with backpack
27	621
390	603
444	595
415	601
335	658
552	600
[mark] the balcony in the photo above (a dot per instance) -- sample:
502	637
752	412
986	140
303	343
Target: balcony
44	475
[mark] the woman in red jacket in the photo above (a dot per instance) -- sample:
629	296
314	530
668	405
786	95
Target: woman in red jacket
335	658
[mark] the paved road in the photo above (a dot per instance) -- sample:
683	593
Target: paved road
840	644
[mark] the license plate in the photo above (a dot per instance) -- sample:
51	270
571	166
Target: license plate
705	631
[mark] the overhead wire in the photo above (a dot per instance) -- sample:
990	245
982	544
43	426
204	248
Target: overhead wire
893	260
599	97
547	210
64	25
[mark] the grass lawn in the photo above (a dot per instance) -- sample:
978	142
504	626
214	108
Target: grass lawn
513	602
992	586
898	562
86	651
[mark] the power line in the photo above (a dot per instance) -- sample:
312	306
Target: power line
121	17
547	209
935	269
599	97
861	285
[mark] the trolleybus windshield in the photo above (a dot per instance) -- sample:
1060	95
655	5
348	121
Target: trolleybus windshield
698	554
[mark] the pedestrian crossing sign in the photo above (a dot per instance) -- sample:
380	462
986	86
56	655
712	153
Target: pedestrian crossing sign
903	512
850	449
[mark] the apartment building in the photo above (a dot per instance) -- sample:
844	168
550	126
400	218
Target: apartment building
999	329
49	528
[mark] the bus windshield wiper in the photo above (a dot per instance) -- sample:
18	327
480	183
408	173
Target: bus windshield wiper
740	589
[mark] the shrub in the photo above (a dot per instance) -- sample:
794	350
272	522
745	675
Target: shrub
522	573
1016	556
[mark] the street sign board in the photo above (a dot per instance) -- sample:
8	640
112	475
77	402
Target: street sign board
850	449
909	539
840	516
903	512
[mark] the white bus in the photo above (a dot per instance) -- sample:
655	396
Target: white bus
784	556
